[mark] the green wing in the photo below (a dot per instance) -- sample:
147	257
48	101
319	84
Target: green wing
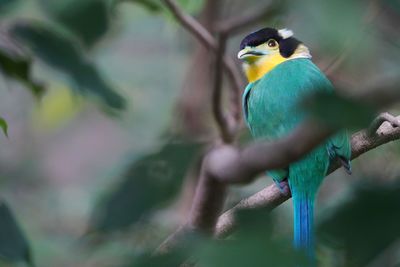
272	105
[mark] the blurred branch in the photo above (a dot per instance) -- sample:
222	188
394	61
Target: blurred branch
204	36
336	62
227	164
232	165
191	24
217	106
236	24
271	197
370	14
383	117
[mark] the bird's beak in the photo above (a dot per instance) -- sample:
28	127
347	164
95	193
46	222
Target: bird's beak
249	52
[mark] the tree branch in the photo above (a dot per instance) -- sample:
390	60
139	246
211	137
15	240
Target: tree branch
383	117
199	32
226	164
231	165
217	106
271	197
217	166
237	24
221	164
191	24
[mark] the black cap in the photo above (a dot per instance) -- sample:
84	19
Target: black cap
287	46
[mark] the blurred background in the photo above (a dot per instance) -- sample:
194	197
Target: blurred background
94	91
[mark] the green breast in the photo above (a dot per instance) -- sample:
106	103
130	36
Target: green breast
273	108
273	104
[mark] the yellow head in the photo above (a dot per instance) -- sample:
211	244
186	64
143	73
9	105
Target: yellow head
262	50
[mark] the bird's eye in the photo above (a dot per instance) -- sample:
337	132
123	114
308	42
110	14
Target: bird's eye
272	43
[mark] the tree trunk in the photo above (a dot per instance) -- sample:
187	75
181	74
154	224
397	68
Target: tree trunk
193	107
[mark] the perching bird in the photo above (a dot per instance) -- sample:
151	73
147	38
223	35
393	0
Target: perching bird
281	74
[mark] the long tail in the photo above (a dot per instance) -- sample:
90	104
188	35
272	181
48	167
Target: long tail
303	205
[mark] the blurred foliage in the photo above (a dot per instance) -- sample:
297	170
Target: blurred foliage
254	244
62	53
89	19
58	106
6	5
364	225
341	112
191	6
393	4
151	5
13	245
138	50
151	181
4	126
16	64
183	253
349	30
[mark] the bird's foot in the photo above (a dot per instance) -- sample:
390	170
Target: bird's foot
283	187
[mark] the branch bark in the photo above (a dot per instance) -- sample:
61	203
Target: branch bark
271	197
206	38
216	174
223	121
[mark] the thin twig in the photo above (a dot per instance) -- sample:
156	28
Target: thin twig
336	62
370	14
217	105
198	31
236	24
191	24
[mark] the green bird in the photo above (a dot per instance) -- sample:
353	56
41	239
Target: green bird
281	74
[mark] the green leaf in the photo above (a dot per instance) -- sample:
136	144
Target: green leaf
6	5
150	5
364	224
4	126
180	253
16	64
252	245
62	53
89	19
190	6
256	243
150	182
340	112
14	246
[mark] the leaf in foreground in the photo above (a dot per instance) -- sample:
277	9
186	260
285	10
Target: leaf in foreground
14	246
340	112
150	182
4	126
62	53
364	225
88	20
16	64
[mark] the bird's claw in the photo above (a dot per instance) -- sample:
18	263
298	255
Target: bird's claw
283	187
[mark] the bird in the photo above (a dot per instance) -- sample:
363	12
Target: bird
281	75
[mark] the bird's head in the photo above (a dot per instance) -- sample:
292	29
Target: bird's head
262	50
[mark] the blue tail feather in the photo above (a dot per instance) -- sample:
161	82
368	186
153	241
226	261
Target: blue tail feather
303	223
